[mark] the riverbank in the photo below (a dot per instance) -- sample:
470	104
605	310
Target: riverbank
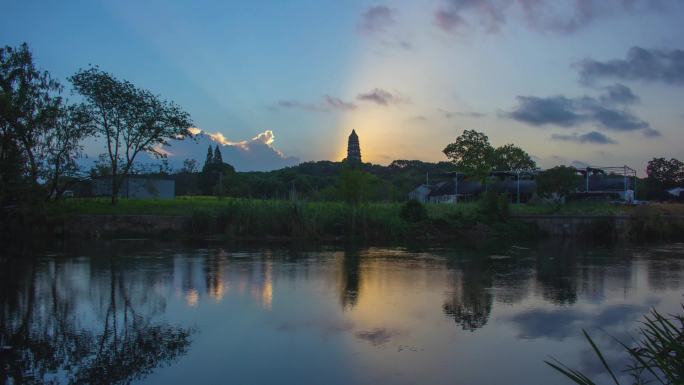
253	219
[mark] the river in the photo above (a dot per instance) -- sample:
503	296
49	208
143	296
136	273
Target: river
165	313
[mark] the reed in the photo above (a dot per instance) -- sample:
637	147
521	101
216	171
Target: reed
657	356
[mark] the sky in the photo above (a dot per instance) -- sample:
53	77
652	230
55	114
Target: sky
275	83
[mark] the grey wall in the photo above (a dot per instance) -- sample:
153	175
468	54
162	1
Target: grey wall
137	188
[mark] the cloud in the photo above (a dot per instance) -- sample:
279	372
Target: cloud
256	154
561	323
418	118
649	65
338	104
452	15
376	19
608	111
590	137
556	16
619	94
467	114
556	110
378	336
328	103
382	97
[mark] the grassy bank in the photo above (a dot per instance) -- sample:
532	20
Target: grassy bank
185	206
253	218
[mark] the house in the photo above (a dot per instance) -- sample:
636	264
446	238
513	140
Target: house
420	193
137	187
677	193
458	188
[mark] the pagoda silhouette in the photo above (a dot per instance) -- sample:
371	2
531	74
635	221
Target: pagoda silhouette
353	148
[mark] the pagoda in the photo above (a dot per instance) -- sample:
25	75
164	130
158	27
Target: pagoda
353	148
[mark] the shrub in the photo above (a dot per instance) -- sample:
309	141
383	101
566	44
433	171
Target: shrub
413	211
494	207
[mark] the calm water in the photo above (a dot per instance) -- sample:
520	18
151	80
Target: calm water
149	313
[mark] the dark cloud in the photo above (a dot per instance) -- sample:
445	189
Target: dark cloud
543	15
608	111
619	94
556	110
382	97
651	65
590	137
376	19
328	103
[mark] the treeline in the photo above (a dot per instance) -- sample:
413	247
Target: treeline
315	181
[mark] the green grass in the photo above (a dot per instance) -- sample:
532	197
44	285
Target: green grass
253	218
185	206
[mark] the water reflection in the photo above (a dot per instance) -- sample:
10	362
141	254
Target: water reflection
69	323
470	301
157	313
350	274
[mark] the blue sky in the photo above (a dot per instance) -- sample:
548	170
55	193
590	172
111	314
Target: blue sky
560	78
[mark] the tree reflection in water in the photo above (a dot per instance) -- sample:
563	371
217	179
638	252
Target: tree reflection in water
46	335
470	301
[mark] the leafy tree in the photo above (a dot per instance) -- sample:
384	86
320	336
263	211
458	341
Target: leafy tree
558	181
40	134
63	146
666	173
357	186
215	178
471	153
511	157
28	104
131	120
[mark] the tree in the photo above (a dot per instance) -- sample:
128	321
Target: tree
189	166
218	159
511	157
471	153
667	173
63	146
357	186
41	135
215	178
131	120
558	181
210	157
28	104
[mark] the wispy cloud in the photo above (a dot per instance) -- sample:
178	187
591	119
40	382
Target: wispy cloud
382	97
593	137
557	16
376	19
328	103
